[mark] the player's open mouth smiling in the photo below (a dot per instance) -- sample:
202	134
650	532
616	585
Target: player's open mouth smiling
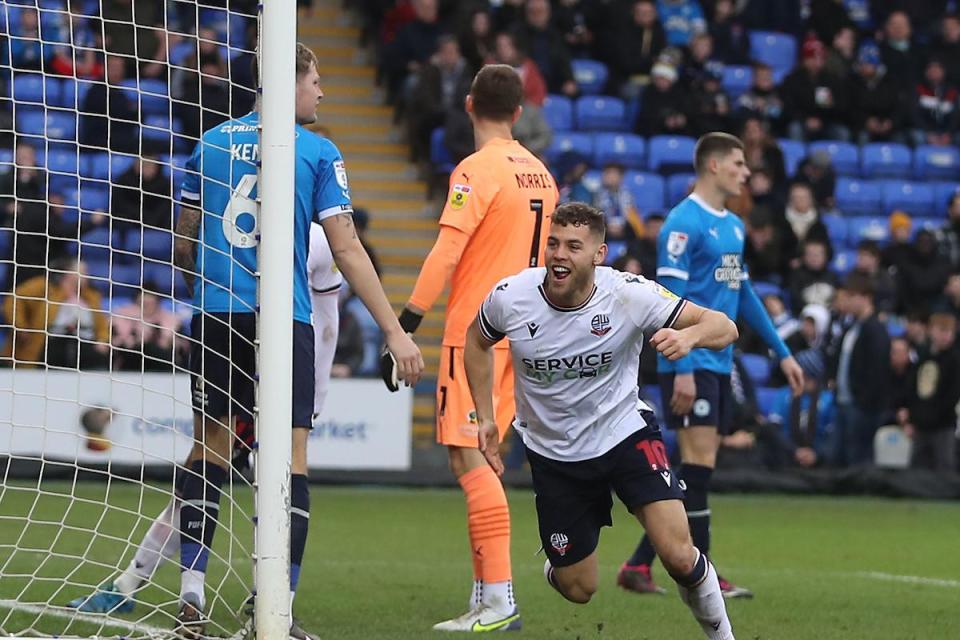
560	272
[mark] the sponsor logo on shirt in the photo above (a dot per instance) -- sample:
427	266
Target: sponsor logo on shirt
550	370
458	196
730	270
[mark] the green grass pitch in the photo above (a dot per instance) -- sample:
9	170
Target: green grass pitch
385	563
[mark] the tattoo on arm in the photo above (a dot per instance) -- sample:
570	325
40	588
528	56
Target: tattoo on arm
346	221
185	244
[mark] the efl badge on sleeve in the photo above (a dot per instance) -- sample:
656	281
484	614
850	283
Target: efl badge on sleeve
458	196
676	243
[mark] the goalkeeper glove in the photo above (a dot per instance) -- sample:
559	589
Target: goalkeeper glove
246	440
409	321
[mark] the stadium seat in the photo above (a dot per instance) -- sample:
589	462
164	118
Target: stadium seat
757	367
647	190
778	50
591	180
936	163
61	125
670	154
95	245
874	228
63	159
884	160
153	95
97	271
558	112
157	245
764	289
30	122
615	249
794	152
568	147
94	197
892	448
767	400
590	76
925	224
95	166
837	228
845	156
626	149
916	198
857	197
596	113
942	193
68	94
6	244
32	88
650	394
157	129
119	164
126	279
736	80
678	187
843	261
439	155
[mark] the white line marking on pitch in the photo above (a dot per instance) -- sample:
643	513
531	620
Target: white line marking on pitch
890	577
71	614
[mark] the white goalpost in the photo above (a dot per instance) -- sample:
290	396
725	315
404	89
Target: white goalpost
102	102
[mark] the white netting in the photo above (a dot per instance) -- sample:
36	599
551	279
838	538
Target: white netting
101	104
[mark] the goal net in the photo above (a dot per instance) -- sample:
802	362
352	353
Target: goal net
101	104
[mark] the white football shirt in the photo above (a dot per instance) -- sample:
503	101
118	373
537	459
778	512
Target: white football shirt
576	369
321	269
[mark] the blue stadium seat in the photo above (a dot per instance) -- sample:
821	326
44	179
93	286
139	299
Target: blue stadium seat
94	197
126	279
843	261
591	180
767	400
845	156
6	244
439	155
166	280
590	75
757	367
571	146
777	50
936	163
63	159
31	122
647	190
876	228
156	128
157	245
925	224
558	112
626	149
153	96
615	249
837	228
61	125
32	88
942	193
794	152
670	152
95	165
678	187
736	80
119	164
97	270
68	94
596	113
886	160
651	395
95	245
916	198
858	197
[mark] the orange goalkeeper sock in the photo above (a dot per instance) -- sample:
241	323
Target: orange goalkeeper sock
488	520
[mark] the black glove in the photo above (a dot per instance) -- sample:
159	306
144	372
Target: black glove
409	321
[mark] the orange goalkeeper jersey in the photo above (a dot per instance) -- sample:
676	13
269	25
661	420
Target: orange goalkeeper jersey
502	196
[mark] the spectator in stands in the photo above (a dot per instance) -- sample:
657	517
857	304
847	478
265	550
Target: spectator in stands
760	187
441	85
916	330
784	16
615	200
868	264
899	248
645	247
534	86
574	189
57	321
577	21
947	47
861	372
816	103
665	107
532	130
748	445
710	105
144	332
119	132
348	358
806	422
202	100
636	45
801	222
731	39
812	282
681	19
87	40
546	46
414	44
932	409
923	276
763	99
477	39
827	18
948	236
817	171
763	250
951	294
842	54
23	197
876	103
141	197
762	152
699	63
26	51
903	359
936	107
900	54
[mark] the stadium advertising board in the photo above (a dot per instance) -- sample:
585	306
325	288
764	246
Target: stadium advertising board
99	417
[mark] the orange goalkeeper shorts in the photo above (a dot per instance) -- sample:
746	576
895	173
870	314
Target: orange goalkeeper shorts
456	414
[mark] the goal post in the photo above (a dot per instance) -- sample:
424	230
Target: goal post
102	103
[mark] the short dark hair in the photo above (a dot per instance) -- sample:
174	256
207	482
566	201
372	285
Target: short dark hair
860	284
497	91
305	58
580	214
715	143
869	246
